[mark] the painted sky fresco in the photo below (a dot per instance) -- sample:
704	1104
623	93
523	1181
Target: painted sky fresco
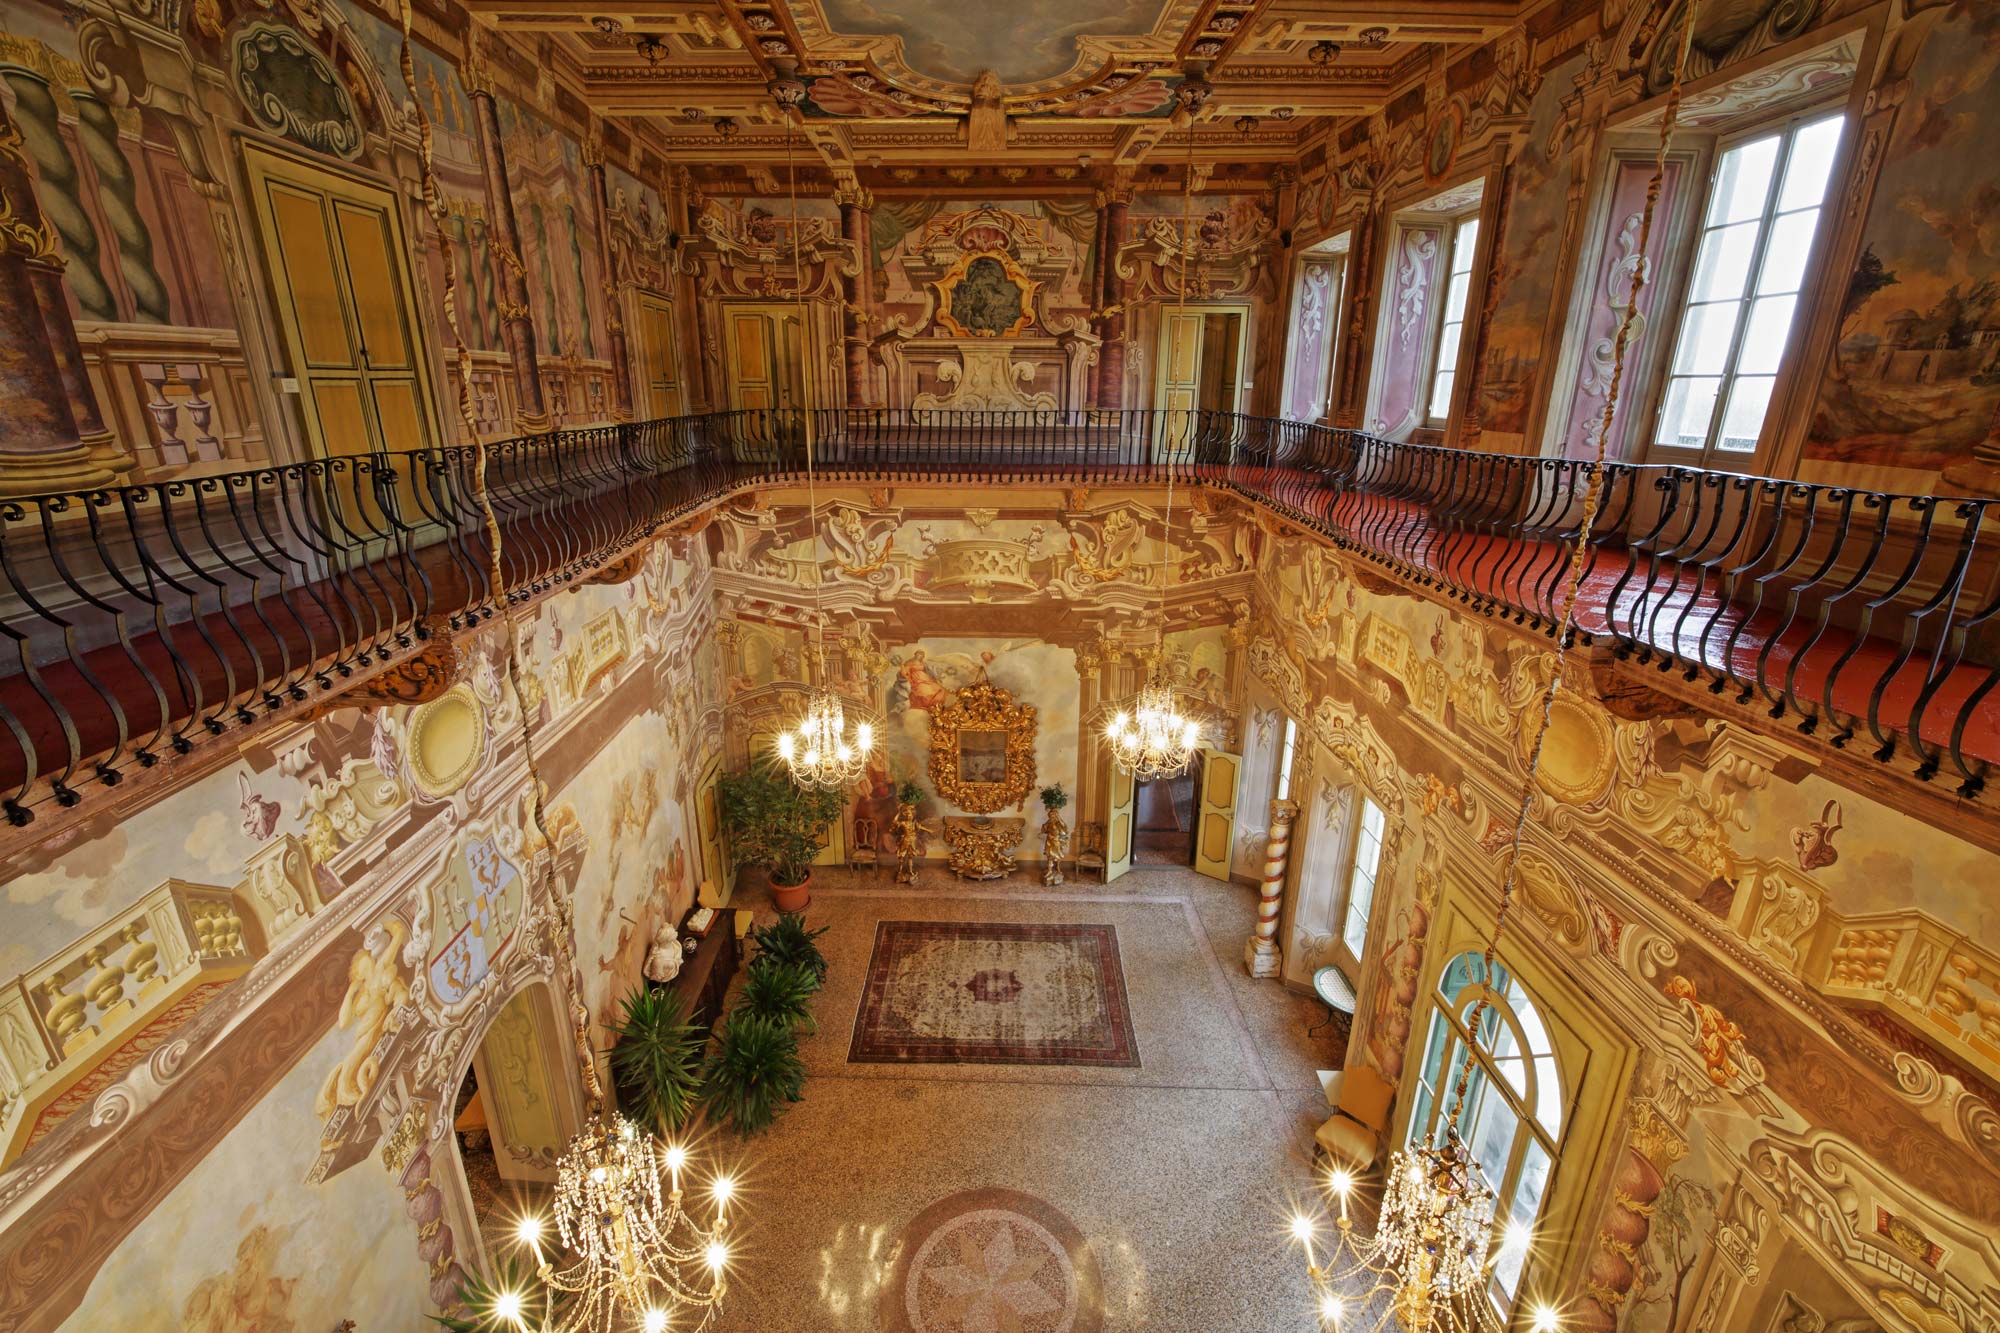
244	1244
1019	40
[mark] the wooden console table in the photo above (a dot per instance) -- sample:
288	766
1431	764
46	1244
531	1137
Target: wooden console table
981	848
703	980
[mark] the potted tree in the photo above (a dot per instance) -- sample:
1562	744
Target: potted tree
775	823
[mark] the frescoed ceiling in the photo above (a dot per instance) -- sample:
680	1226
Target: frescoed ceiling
1021	41
1053	90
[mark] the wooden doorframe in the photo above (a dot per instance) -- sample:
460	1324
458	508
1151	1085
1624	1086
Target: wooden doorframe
264	163
1163	360
674	381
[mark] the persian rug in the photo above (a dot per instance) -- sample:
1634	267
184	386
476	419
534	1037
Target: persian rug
980	992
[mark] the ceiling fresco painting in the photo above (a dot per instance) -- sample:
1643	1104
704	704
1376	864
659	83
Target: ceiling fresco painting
1021	41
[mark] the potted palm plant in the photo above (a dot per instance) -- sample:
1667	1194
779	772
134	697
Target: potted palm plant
775	823
755	1071
657	1059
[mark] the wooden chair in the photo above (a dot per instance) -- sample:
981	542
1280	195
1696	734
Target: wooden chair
1352	1135
1090	848
861	853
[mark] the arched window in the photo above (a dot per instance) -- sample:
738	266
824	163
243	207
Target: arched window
1513	1101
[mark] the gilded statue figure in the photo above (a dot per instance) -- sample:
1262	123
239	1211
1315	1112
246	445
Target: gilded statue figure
1055	846
909	831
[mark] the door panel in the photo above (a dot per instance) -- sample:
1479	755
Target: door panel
661	396
337	261
1215	821
753	379
1120	821
708	831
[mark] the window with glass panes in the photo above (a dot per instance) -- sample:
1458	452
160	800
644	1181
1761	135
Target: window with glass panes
1513	1114
1361	879
1286	749
1457	292
1749	269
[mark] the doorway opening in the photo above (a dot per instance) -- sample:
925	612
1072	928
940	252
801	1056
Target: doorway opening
510	1117
1166	820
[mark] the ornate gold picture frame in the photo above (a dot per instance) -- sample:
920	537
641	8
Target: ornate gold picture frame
983	749
986	294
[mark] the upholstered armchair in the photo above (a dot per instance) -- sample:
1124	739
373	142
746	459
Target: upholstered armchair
1352	1135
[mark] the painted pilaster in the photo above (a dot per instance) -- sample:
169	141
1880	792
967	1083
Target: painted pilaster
118	196
1100	270
1260	952
1111	360
614	314
856	289
517	320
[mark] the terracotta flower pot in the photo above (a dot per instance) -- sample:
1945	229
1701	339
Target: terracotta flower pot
792	897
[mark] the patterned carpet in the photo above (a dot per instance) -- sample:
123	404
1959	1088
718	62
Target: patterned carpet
973	992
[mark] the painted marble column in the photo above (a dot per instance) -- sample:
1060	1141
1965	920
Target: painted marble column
39	132
53	427
1111	358
614	320
856	290
118	197
1260	953
517	320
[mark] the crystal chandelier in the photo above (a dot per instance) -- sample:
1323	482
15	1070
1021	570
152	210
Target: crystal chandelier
817	752
1154	740
634	1257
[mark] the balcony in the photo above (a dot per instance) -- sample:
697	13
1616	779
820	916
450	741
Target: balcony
149	621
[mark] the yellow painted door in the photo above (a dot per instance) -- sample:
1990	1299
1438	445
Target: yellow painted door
660	384
1180	371
1121	821
346	306
1215	820
715	867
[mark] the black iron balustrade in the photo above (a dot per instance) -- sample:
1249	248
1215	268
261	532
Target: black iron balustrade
146	618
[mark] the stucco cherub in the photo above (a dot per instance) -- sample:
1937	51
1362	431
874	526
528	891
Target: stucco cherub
375	990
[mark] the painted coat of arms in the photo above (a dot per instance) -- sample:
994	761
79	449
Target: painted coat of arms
475	915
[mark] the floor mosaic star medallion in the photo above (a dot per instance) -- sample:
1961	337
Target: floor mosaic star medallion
993	1261
982	992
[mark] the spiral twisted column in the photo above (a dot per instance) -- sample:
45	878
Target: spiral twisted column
1260	954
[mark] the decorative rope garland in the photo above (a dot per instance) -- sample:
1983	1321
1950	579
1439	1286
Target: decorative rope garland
562	922
1579	557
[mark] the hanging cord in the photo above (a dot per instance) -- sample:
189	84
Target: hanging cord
812	492
1579	557
562	921
1180	309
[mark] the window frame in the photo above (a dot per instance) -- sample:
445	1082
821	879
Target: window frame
1684	258
1455	242
1288	743
1339	261
1446	1032
1363	803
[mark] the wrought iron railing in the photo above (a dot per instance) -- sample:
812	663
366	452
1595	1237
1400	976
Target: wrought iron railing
149	618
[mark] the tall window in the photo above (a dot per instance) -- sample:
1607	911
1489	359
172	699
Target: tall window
1361	879
1457	291
1513	1113
1286	749
1748	270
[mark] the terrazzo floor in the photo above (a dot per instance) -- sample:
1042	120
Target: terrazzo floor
971	1185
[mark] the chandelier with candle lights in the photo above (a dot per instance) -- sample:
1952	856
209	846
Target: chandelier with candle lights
1430	1265
818	750
1152	738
